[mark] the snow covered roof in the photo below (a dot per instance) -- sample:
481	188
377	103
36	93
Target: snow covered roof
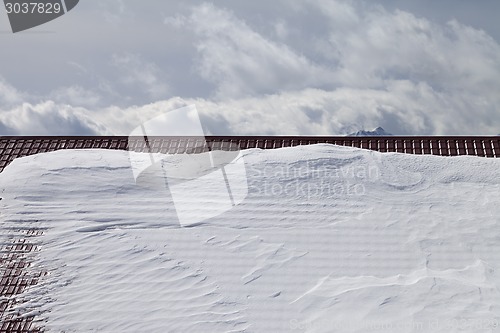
397	176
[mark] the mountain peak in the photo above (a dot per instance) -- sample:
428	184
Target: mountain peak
379	131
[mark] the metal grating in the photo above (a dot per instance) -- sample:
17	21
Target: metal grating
16	272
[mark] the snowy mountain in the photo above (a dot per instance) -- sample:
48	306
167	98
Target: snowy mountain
379	131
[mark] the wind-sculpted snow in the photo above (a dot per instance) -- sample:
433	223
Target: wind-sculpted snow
329	239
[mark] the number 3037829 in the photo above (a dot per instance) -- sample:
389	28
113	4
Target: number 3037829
33	8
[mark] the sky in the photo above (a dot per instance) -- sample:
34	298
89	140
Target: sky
281	67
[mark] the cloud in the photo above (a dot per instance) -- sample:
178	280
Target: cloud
403	108
377	67
5	130
76	95
113	11
242	62
319	67
141	75
47	118
8	94
377	46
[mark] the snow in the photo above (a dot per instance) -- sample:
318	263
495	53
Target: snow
328	239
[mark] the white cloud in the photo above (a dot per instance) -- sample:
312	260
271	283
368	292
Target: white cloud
242	62
113	11
177	21
381	67
8	94
141	75
374	46
76	95
48	118
362	66
403	108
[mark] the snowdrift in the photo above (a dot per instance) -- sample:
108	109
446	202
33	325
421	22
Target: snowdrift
327	239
